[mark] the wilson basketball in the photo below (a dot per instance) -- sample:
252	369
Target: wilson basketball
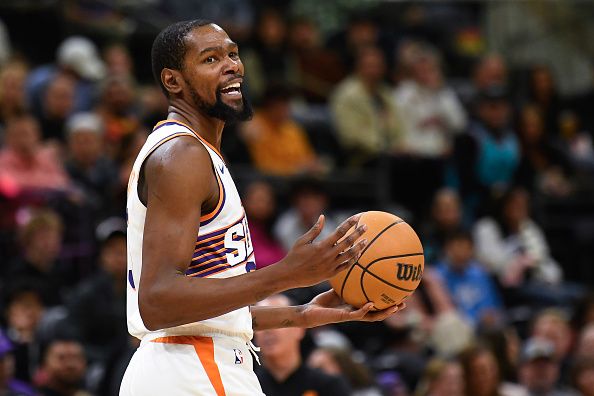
390	267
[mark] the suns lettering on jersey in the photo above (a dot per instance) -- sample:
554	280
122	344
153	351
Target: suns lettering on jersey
238	243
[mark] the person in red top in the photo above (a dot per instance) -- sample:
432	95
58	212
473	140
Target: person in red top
25	164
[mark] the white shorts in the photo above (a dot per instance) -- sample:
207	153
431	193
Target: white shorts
191	366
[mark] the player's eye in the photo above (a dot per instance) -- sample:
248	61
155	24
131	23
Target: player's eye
233	55
210	59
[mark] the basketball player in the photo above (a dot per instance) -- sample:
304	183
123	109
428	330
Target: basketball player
191	278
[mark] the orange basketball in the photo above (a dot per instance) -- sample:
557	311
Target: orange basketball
390	267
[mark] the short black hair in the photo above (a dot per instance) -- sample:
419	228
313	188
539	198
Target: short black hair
459	234
169	47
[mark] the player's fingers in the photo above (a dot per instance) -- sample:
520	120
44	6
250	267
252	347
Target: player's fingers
342	229
313	232
361	312
384	313
352	254
349	240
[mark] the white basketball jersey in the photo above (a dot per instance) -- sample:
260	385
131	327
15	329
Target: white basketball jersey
223	245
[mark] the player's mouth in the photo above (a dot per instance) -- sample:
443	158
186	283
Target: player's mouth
232	91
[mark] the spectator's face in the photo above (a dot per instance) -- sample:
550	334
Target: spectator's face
585	346
279	343
450	382
494	113
305	35
65	363
539	375
85	147
323	360
426	72
446	210
114	256
309	205
118	61
362	34
118	95
24	312
371	65
12	87
23	136
585	382
259	202
542	81
47	240
59	97
272	30
556	331
6	369
459	252
516	209
491	71
483	378
532	127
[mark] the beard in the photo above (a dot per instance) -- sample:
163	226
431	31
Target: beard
220	109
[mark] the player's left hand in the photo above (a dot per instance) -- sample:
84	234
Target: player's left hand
328	307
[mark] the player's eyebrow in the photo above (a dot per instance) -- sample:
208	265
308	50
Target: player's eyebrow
217	48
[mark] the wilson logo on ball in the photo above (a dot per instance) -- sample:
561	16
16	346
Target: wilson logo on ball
409	272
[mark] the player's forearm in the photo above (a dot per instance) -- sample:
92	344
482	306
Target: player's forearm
264	318
177	299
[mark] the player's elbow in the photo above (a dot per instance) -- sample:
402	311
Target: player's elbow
150	300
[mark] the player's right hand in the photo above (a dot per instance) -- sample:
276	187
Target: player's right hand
310	262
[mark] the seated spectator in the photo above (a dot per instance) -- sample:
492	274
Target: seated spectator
25	163
442	378
483	377
98	305
340	362
117	110
512	246
283	371
543	166
277	144
431	115
9	386
429	110
57	104
260	207
583	376
364	111
585	342
41	241
446	217
63	368
89	169
486	159
77	57
13	100
318	68
118	61
552	325
542	92
539	369
24	310
308	201
490	70
473	292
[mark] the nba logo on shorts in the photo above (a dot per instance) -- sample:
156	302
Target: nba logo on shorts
238	356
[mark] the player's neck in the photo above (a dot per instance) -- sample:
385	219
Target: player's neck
209	128
281	367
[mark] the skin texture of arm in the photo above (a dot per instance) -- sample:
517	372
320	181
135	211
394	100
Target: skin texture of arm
179	181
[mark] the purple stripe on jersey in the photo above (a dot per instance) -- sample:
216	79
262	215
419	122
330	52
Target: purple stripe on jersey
203	223
213	271
206	245
201	267
218	232
207	257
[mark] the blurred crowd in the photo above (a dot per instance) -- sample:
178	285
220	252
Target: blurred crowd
355	110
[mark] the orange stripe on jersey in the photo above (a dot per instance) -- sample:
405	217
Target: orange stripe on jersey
214	212
204	347
206	262
211	246
207	253
191	129
244	262
222	228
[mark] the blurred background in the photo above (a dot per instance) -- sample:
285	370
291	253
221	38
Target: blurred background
471	120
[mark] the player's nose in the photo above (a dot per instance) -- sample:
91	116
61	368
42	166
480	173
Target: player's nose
232	66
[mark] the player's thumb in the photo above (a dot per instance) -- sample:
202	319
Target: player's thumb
314	231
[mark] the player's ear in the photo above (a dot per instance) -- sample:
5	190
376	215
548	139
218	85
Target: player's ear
172	80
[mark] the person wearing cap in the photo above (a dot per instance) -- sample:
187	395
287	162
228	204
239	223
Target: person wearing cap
540	369
486	158
77	57
9	386
89	168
